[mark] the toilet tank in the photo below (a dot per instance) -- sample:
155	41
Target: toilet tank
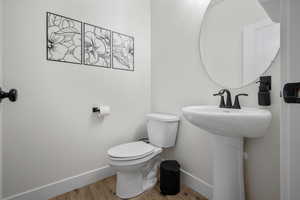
162	129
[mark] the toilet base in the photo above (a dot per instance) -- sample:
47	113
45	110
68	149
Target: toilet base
135	182
129	184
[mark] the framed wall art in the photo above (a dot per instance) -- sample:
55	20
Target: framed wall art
64	36
96	46
123	52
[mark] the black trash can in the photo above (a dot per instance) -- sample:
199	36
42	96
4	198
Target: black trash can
169	177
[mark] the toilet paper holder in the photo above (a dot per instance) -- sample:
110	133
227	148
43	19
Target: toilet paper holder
101	111
96	110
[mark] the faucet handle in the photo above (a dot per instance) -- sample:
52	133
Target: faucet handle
222	102
236	104
220	93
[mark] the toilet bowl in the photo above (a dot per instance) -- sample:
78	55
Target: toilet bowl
136	163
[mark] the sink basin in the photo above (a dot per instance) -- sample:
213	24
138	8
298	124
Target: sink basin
229	127
245	122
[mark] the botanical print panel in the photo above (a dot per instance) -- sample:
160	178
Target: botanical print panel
97	46
123	52
63	39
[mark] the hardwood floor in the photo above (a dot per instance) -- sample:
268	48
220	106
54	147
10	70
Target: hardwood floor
105	190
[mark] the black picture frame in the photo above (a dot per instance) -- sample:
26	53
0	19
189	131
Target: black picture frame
49	42
114	51
84	45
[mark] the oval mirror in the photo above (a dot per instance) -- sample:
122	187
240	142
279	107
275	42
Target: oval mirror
238	42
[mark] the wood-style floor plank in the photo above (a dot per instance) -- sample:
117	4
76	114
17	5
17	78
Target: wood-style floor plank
106	190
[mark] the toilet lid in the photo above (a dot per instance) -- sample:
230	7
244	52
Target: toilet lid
131	150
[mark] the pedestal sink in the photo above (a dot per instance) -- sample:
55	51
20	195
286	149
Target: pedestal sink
229	127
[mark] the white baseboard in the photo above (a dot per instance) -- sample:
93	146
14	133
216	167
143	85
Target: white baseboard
197	184
54	189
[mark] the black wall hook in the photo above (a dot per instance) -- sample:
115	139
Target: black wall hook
12	95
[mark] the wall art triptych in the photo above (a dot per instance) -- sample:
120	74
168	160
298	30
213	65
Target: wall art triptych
72	41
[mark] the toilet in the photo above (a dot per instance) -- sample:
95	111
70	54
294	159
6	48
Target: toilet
136	163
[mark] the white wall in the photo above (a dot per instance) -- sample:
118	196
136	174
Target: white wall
178	79
1	52
50	133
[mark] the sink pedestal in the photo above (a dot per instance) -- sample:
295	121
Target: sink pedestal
228	168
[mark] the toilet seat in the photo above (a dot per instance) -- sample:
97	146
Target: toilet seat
130	151
134	162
